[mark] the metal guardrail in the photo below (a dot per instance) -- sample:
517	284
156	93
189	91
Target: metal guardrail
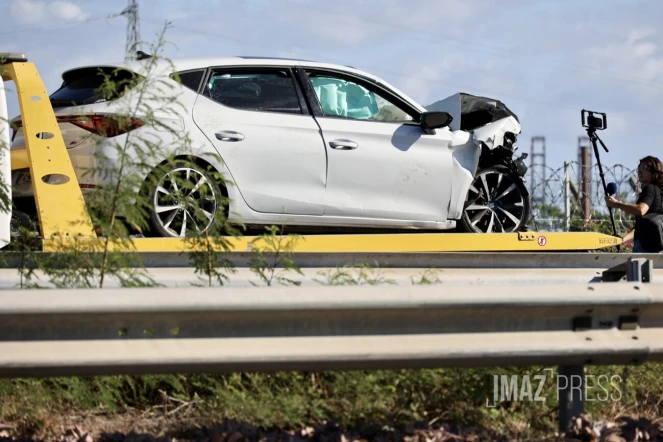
172	269
448	260
86	332
169	330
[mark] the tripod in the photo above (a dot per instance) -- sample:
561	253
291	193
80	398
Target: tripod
591	133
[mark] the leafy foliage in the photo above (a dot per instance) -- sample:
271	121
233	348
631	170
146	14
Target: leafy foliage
271	250
362	275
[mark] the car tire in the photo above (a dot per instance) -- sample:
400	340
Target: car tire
497	202
175	195
20	219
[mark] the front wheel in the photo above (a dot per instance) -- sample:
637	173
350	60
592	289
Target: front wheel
497	202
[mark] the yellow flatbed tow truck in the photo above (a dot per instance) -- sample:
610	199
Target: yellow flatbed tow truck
64	219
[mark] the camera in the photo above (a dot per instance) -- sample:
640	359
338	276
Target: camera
594	120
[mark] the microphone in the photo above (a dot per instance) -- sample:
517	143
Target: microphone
612	189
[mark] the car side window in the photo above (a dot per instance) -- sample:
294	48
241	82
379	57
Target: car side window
191	79
343	98
271	90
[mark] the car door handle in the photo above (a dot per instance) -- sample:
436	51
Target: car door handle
343	144
229	135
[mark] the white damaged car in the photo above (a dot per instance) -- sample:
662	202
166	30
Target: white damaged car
307	145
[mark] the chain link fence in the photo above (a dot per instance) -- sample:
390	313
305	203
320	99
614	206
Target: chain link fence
565	199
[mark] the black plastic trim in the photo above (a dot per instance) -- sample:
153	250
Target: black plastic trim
200	83
301	95
309	92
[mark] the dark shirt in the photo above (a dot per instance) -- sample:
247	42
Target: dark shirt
650	195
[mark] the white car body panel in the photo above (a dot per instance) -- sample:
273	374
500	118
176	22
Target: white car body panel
464	165
397	171
279	166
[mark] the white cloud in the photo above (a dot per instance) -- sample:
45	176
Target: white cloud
38	11
645	49
28	11
639	34
638	56
67	11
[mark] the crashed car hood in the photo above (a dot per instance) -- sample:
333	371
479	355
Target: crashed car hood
487	119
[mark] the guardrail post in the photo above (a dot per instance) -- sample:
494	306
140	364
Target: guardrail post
572	377
645	268
571	393
635	270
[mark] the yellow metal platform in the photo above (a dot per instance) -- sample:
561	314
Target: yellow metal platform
405	242
64	221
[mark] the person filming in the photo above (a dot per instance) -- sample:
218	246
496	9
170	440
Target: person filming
646	235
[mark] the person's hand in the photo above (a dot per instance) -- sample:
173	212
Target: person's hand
610	201
627	243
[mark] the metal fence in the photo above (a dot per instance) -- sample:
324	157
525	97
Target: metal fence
559	197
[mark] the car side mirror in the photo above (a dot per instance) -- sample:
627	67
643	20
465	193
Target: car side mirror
435	120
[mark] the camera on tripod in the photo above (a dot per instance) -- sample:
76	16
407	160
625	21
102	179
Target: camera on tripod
594	120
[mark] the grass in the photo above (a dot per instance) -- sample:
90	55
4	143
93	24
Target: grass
455	398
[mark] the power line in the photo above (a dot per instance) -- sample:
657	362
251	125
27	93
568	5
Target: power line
479	47
52	28
401	74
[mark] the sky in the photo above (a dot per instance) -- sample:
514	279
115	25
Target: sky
545	59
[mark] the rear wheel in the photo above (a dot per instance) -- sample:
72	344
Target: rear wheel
184	199
497	202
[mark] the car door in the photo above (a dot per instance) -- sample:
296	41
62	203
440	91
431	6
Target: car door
381	162
258	120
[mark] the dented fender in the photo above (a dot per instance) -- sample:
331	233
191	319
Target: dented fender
465	153
493	133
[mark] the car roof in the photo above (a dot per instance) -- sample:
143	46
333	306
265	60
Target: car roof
189	63
186	63
178	64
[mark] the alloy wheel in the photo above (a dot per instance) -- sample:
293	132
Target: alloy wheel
496	202
184	199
